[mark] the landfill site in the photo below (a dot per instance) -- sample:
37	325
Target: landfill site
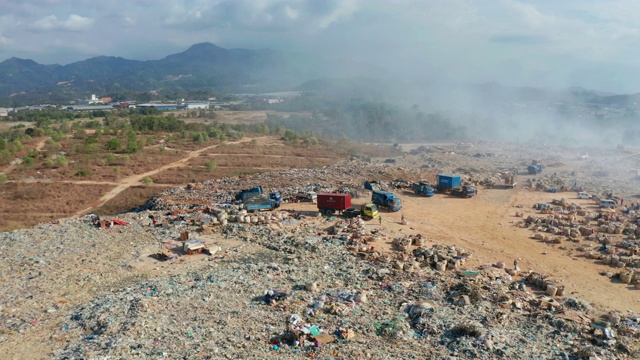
451	251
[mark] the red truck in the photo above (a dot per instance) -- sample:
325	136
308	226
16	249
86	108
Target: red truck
329	203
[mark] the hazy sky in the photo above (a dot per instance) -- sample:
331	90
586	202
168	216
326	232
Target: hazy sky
551	43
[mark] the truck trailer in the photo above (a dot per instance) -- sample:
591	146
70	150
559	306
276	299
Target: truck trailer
329	203
452	184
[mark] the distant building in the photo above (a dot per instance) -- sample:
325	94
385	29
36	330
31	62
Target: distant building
5	111
125	105
161	107
94	100
194	105
89	107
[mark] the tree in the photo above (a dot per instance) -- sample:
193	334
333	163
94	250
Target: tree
290	135
197	137
132	146
56	136
147	180
3	144
113	144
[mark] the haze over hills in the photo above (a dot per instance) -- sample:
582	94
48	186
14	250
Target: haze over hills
208	67
349	98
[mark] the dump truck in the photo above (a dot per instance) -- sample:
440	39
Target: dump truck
329	203
308	196
452	184
258	203
534	169
245	195
372	185
423	188
386	200
508	180
366	211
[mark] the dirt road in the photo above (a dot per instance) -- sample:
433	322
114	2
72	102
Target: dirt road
136	179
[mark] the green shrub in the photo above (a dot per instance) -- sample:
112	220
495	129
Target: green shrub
61	161
113	144
28	161
210	165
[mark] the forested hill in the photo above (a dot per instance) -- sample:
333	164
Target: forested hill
204	66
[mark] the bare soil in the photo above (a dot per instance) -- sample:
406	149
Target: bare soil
110	186
484	225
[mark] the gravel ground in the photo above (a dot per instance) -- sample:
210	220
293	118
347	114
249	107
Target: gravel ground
75	291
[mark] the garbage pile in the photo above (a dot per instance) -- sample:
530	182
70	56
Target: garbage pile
613	235
311	287
310	296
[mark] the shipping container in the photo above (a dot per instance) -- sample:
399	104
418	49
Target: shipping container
449	181
329	203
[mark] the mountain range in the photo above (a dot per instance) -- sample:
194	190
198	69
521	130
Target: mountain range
210	68
203	66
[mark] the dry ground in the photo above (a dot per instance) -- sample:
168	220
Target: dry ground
236	117
40	194
484	225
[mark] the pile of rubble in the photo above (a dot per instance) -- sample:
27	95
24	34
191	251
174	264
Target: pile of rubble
343	306
611	237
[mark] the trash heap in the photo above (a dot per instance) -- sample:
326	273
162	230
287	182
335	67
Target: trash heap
613	235
309	295
307	287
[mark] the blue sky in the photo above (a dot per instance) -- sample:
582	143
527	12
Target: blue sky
544	43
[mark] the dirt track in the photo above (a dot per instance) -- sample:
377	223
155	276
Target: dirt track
134	180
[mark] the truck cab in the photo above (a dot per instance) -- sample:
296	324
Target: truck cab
423	189
369	211
469	191
275	196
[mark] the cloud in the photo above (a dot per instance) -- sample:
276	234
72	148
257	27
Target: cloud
430	38
5	41
74	23
518	39
264	15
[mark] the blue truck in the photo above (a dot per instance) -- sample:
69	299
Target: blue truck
423	188
386	200
534	169
247	193
244	195
257	203
452	184
372	185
